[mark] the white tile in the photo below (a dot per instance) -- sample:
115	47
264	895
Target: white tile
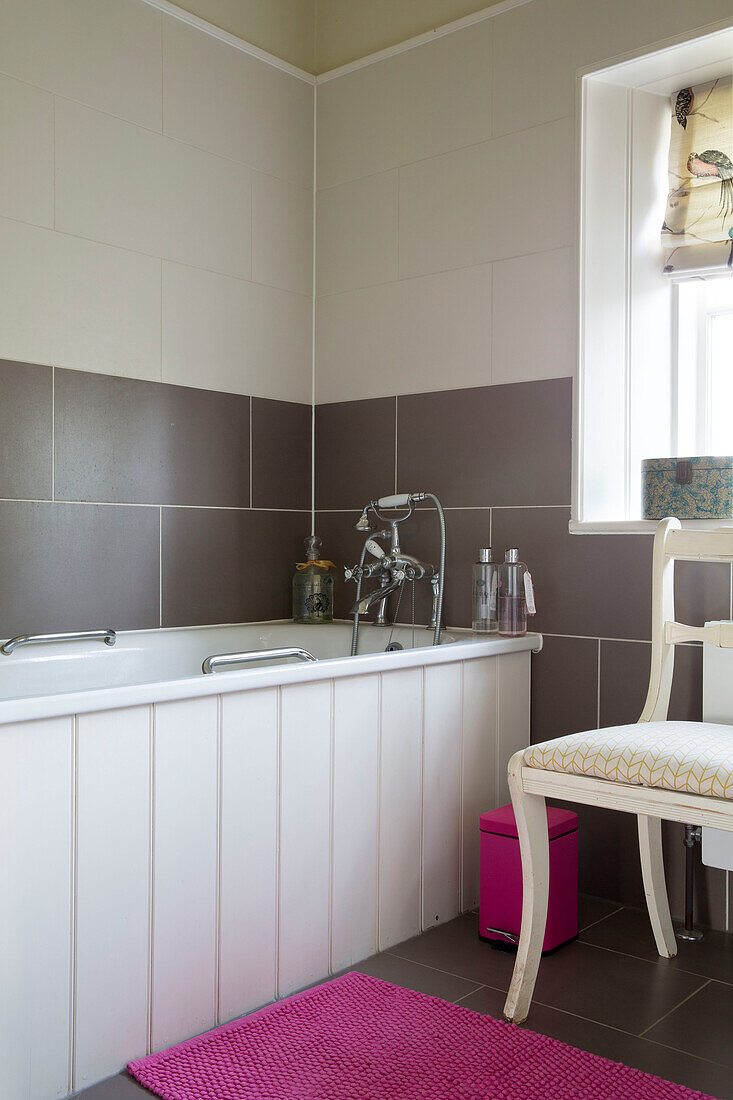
35	908
282	234
417	104
502	198
534	323
185	862
77	304
223	100
26	164
227	334
412	336
126	186
113	891
105	53
357	234
539	47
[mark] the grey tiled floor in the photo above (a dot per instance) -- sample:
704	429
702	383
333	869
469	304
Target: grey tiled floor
608	993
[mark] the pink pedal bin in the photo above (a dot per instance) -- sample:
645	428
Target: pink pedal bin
500	893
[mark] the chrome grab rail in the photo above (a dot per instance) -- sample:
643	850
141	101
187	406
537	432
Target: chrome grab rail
222	660
107	636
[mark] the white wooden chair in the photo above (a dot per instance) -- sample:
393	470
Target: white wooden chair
656	769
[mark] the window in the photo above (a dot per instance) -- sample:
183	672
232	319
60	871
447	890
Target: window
656	337
704	367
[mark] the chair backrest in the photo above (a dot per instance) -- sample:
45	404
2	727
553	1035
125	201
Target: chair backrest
672	543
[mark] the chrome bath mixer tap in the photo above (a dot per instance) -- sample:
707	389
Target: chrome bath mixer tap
394	566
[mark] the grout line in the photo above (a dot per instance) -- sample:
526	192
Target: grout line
654	961
251	452
162	260
53	161
396	412
314	275
160	567
162	74
600	920
468	507
53	433
563	1011
141	504
162	311
446	153
598	687
489	263
675	1007
470	993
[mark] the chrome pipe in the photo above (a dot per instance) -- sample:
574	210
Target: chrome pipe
109	637
224	660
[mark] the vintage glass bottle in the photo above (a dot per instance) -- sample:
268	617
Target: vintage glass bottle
313	586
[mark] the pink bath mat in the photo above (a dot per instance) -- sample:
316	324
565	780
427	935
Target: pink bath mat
359	1038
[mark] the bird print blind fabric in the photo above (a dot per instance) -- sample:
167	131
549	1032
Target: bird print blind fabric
700	202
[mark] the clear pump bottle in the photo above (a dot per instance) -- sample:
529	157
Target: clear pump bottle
512	601
484	593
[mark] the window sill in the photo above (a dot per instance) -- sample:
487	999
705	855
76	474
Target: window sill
640	526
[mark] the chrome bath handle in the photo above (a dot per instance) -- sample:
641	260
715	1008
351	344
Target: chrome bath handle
107	636
223	660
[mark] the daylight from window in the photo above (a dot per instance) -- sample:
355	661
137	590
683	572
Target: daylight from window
705	366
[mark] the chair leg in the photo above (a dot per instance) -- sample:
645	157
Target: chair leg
531	818
655	887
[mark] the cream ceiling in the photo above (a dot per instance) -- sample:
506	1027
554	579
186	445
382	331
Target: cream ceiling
318	35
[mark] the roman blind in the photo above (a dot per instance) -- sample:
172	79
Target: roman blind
698	223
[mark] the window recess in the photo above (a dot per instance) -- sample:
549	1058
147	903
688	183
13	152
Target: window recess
656	309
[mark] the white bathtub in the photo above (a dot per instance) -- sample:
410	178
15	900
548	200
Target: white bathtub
178	849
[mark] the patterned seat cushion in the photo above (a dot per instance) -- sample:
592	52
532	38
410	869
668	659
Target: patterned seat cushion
696	757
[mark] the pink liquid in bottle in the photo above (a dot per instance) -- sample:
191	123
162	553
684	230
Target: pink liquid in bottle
512	603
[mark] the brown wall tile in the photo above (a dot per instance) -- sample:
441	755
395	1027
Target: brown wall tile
341	545
590	585
701	591
355	452
222	566
121	439
492	445
25	431
625	678
466	531
564	687
281	454
77	567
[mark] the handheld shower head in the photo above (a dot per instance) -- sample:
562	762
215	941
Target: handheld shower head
364	523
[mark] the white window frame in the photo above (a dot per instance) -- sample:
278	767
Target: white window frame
624	397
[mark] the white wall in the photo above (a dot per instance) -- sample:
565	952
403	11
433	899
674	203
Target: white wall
446	205
155	201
